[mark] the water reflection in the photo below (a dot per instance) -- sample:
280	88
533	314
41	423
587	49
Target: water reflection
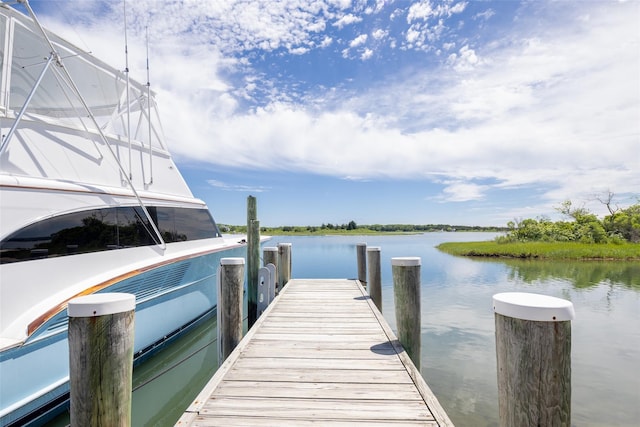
581	274
167	383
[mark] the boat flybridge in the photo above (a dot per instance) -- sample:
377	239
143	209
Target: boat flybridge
90	201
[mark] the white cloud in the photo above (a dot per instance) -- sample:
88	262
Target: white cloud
457	8
463	192
368	53
379	34
485	15
299	50
361	39
465	60
419	10
412	35
236	187
326	42
424	9
345	20
373	9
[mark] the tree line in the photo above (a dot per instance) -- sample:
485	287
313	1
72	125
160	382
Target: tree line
621	225
353	227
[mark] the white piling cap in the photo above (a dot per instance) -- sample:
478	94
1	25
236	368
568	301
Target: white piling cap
101	304
232	261
373	248
284	244
526	306
270	249
406	261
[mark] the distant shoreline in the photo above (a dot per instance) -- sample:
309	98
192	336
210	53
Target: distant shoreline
365	230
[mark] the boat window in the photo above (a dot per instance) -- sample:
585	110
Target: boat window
105	229
133	228
194	224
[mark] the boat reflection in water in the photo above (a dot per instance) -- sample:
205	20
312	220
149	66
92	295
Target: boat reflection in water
166	383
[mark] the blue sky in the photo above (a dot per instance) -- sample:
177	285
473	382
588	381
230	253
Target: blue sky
457	112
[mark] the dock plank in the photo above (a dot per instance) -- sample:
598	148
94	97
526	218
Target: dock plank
321	354
303	390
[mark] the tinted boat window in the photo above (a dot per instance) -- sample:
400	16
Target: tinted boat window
165	220
133	228
105	229
195	224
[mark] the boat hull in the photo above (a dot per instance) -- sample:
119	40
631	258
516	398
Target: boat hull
169	298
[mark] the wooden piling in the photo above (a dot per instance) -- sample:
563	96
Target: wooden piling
375	275
270	256
101	328
230	305
533	349
406	291
361	253
284	263
253	259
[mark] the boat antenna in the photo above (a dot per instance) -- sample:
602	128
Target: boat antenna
126	71
149	109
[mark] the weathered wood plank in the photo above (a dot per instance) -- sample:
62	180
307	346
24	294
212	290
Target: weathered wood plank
318	408
326	316
213	420
333	323
382	347
320	375
313	364
328	337
366	329
317	353
302	390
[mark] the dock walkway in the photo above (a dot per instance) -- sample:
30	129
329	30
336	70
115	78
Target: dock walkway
321	354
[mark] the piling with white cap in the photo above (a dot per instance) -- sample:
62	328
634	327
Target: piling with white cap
406	294
375	275
361	257
230	286
284	263
533	349
270	256
101	329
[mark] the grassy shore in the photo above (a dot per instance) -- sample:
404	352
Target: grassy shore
544	250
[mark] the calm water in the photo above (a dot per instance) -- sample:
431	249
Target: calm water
458	354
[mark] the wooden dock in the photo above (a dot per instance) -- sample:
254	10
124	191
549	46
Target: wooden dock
321	354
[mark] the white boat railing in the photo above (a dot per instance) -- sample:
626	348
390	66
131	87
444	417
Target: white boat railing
7	138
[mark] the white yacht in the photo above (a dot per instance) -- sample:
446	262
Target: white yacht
91	201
